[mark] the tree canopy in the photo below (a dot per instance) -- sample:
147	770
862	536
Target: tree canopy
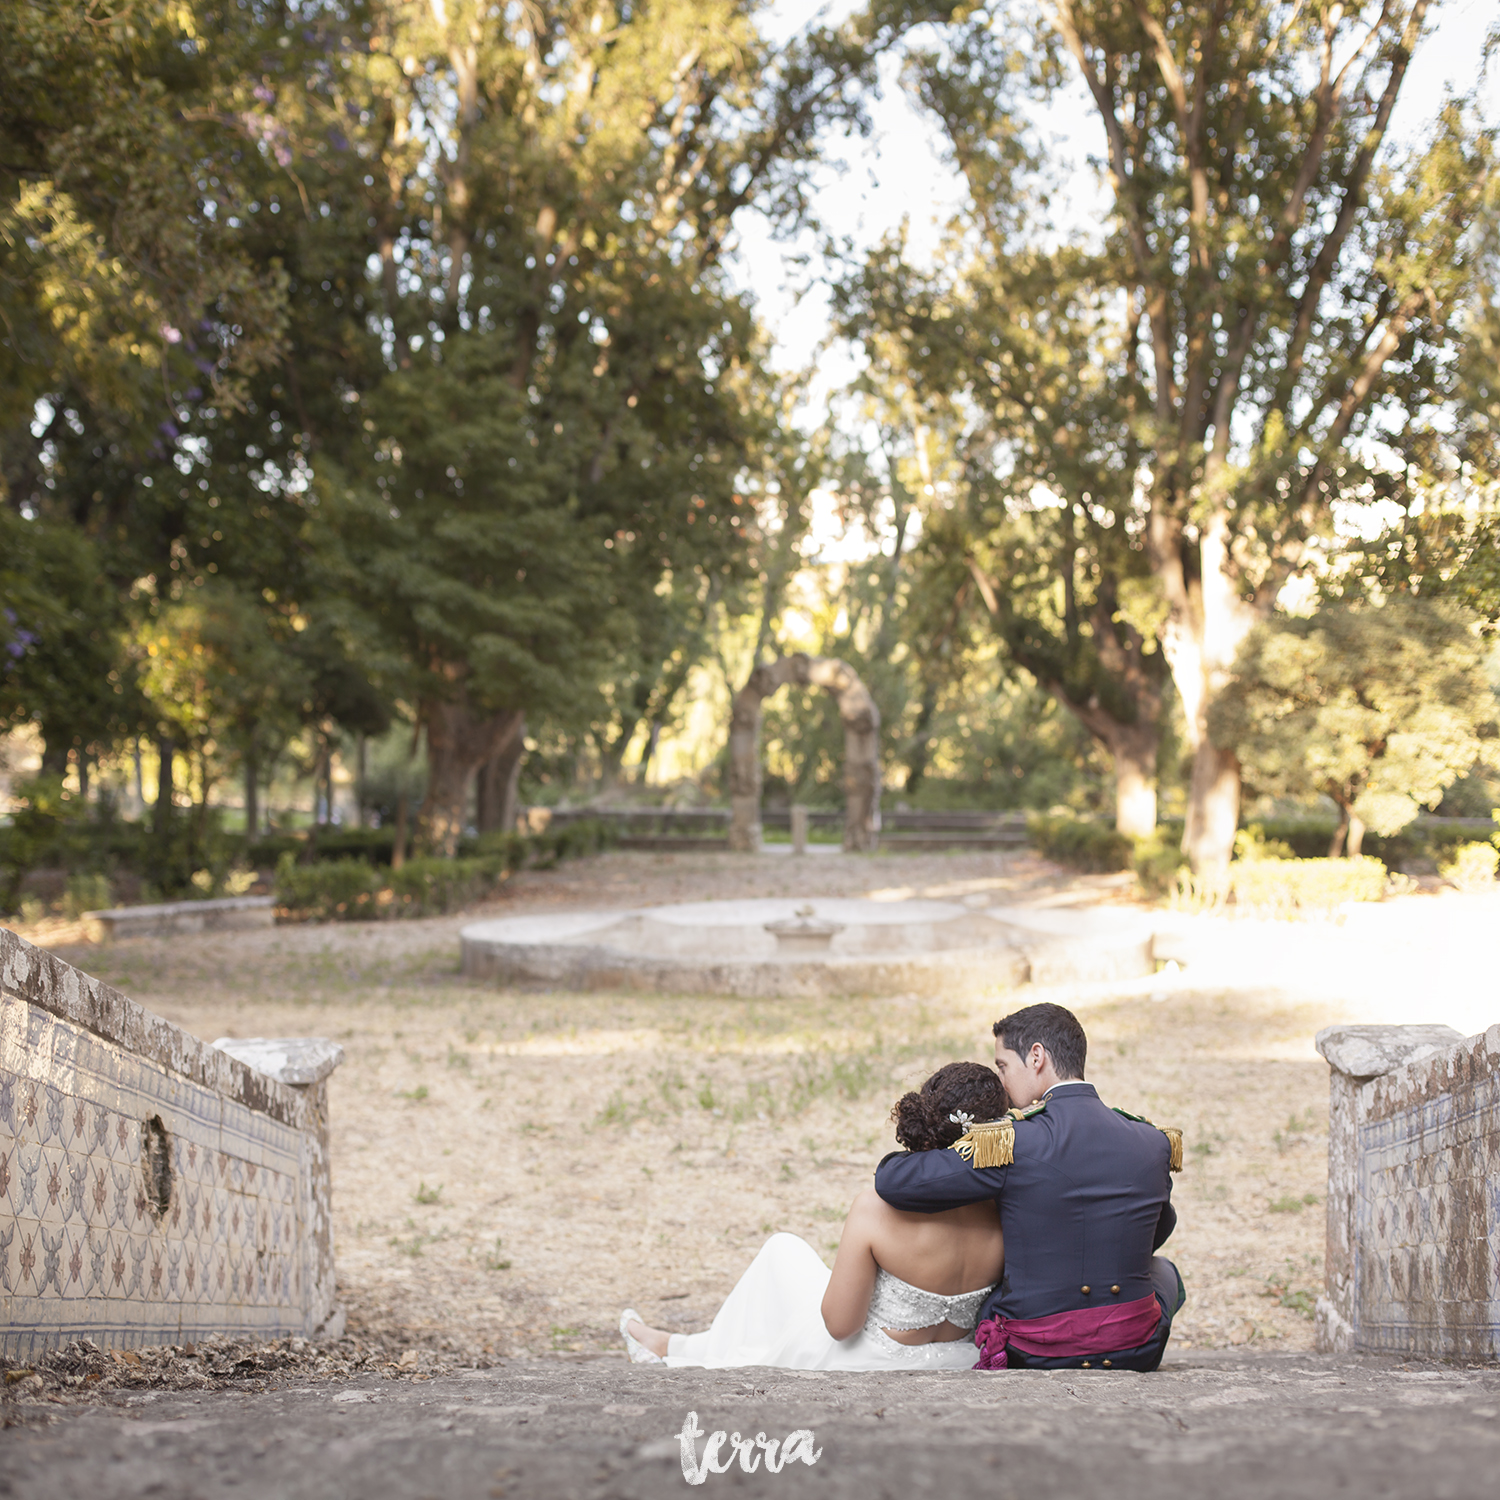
1272	311
1379	707
381	362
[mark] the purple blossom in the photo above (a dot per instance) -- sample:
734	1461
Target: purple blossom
265	93
21	641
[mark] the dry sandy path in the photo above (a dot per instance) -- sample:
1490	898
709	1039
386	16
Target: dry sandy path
510	1169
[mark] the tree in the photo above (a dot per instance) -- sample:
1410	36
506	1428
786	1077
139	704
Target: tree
121	271
1043	522
1276	293
1379	707
537	477
63	663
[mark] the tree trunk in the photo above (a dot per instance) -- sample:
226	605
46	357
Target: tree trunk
1213	815
398	846
612	750
921	740
499	780
458	743
1134	753
1356	841
653	740
360	773
1336	843
252	794
163	816
1207	623
861	719
1132	748
200	814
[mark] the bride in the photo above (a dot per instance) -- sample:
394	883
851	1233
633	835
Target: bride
905	1289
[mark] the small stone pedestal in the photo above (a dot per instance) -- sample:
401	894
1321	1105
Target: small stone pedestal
799	830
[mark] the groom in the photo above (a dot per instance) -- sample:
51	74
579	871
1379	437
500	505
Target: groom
1084	1201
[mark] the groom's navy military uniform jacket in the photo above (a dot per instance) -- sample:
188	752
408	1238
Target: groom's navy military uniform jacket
1084	1205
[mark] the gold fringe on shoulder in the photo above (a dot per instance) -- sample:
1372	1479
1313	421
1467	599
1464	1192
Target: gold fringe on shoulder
991	1144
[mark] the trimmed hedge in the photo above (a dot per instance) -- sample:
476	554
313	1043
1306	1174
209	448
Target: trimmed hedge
1305	887
1266	877
354	890
1081	844
1471	867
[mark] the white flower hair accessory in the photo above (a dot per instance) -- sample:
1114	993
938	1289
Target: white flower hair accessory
958	1117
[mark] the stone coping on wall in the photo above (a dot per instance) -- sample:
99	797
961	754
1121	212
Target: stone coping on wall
1365	1052
40	978
223	913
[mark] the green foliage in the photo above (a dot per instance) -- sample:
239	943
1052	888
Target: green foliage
90	892
1252	843
1305	887
1378	707
48	826
124	181
1471	867
1155	419
63	661
1280	1286
329	890
1079	843
1159	860
353	889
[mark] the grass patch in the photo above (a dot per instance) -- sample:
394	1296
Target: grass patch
1290	1205
1281	1289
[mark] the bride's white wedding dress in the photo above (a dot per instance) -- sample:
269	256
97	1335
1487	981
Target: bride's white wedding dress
774	1317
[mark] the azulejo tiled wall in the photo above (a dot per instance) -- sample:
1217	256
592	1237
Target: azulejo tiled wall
152	1188
1414	1199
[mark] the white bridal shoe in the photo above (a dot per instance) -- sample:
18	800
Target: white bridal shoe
635	1350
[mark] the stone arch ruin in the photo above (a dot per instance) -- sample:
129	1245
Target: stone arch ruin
861	748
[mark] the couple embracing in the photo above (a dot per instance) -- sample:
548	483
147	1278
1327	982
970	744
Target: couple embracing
1022	1219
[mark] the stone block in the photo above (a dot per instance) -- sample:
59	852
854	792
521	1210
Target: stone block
1413	1147
152	1188
226	914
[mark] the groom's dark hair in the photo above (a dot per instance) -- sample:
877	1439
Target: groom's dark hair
1055	1028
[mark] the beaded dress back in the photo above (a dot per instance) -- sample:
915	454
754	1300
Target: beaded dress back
897	1304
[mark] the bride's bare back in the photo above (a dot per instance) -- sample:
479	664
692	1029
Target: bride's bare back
960	1250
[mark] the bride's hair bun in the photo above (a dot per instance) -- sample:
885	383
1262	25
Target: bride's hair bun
917	1126
925	1119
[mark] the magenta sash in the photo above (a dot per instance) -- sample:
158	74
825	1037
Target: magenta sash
1089	1330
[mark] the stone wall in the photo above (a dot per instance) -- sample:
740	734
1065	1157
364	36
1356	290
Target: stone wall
1413	1264
152	1188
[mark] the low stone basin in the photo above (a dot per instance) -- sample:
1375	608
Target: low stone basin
791	946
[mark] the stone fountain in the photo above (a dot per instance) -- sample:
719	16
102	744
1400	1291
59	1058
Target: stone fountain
790	946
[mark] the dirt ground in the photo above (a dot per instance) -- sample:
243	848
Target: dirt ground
511	1169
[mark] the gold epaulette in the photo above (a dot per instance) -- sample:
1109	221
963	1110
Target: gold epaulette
992	1143
1172	1133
